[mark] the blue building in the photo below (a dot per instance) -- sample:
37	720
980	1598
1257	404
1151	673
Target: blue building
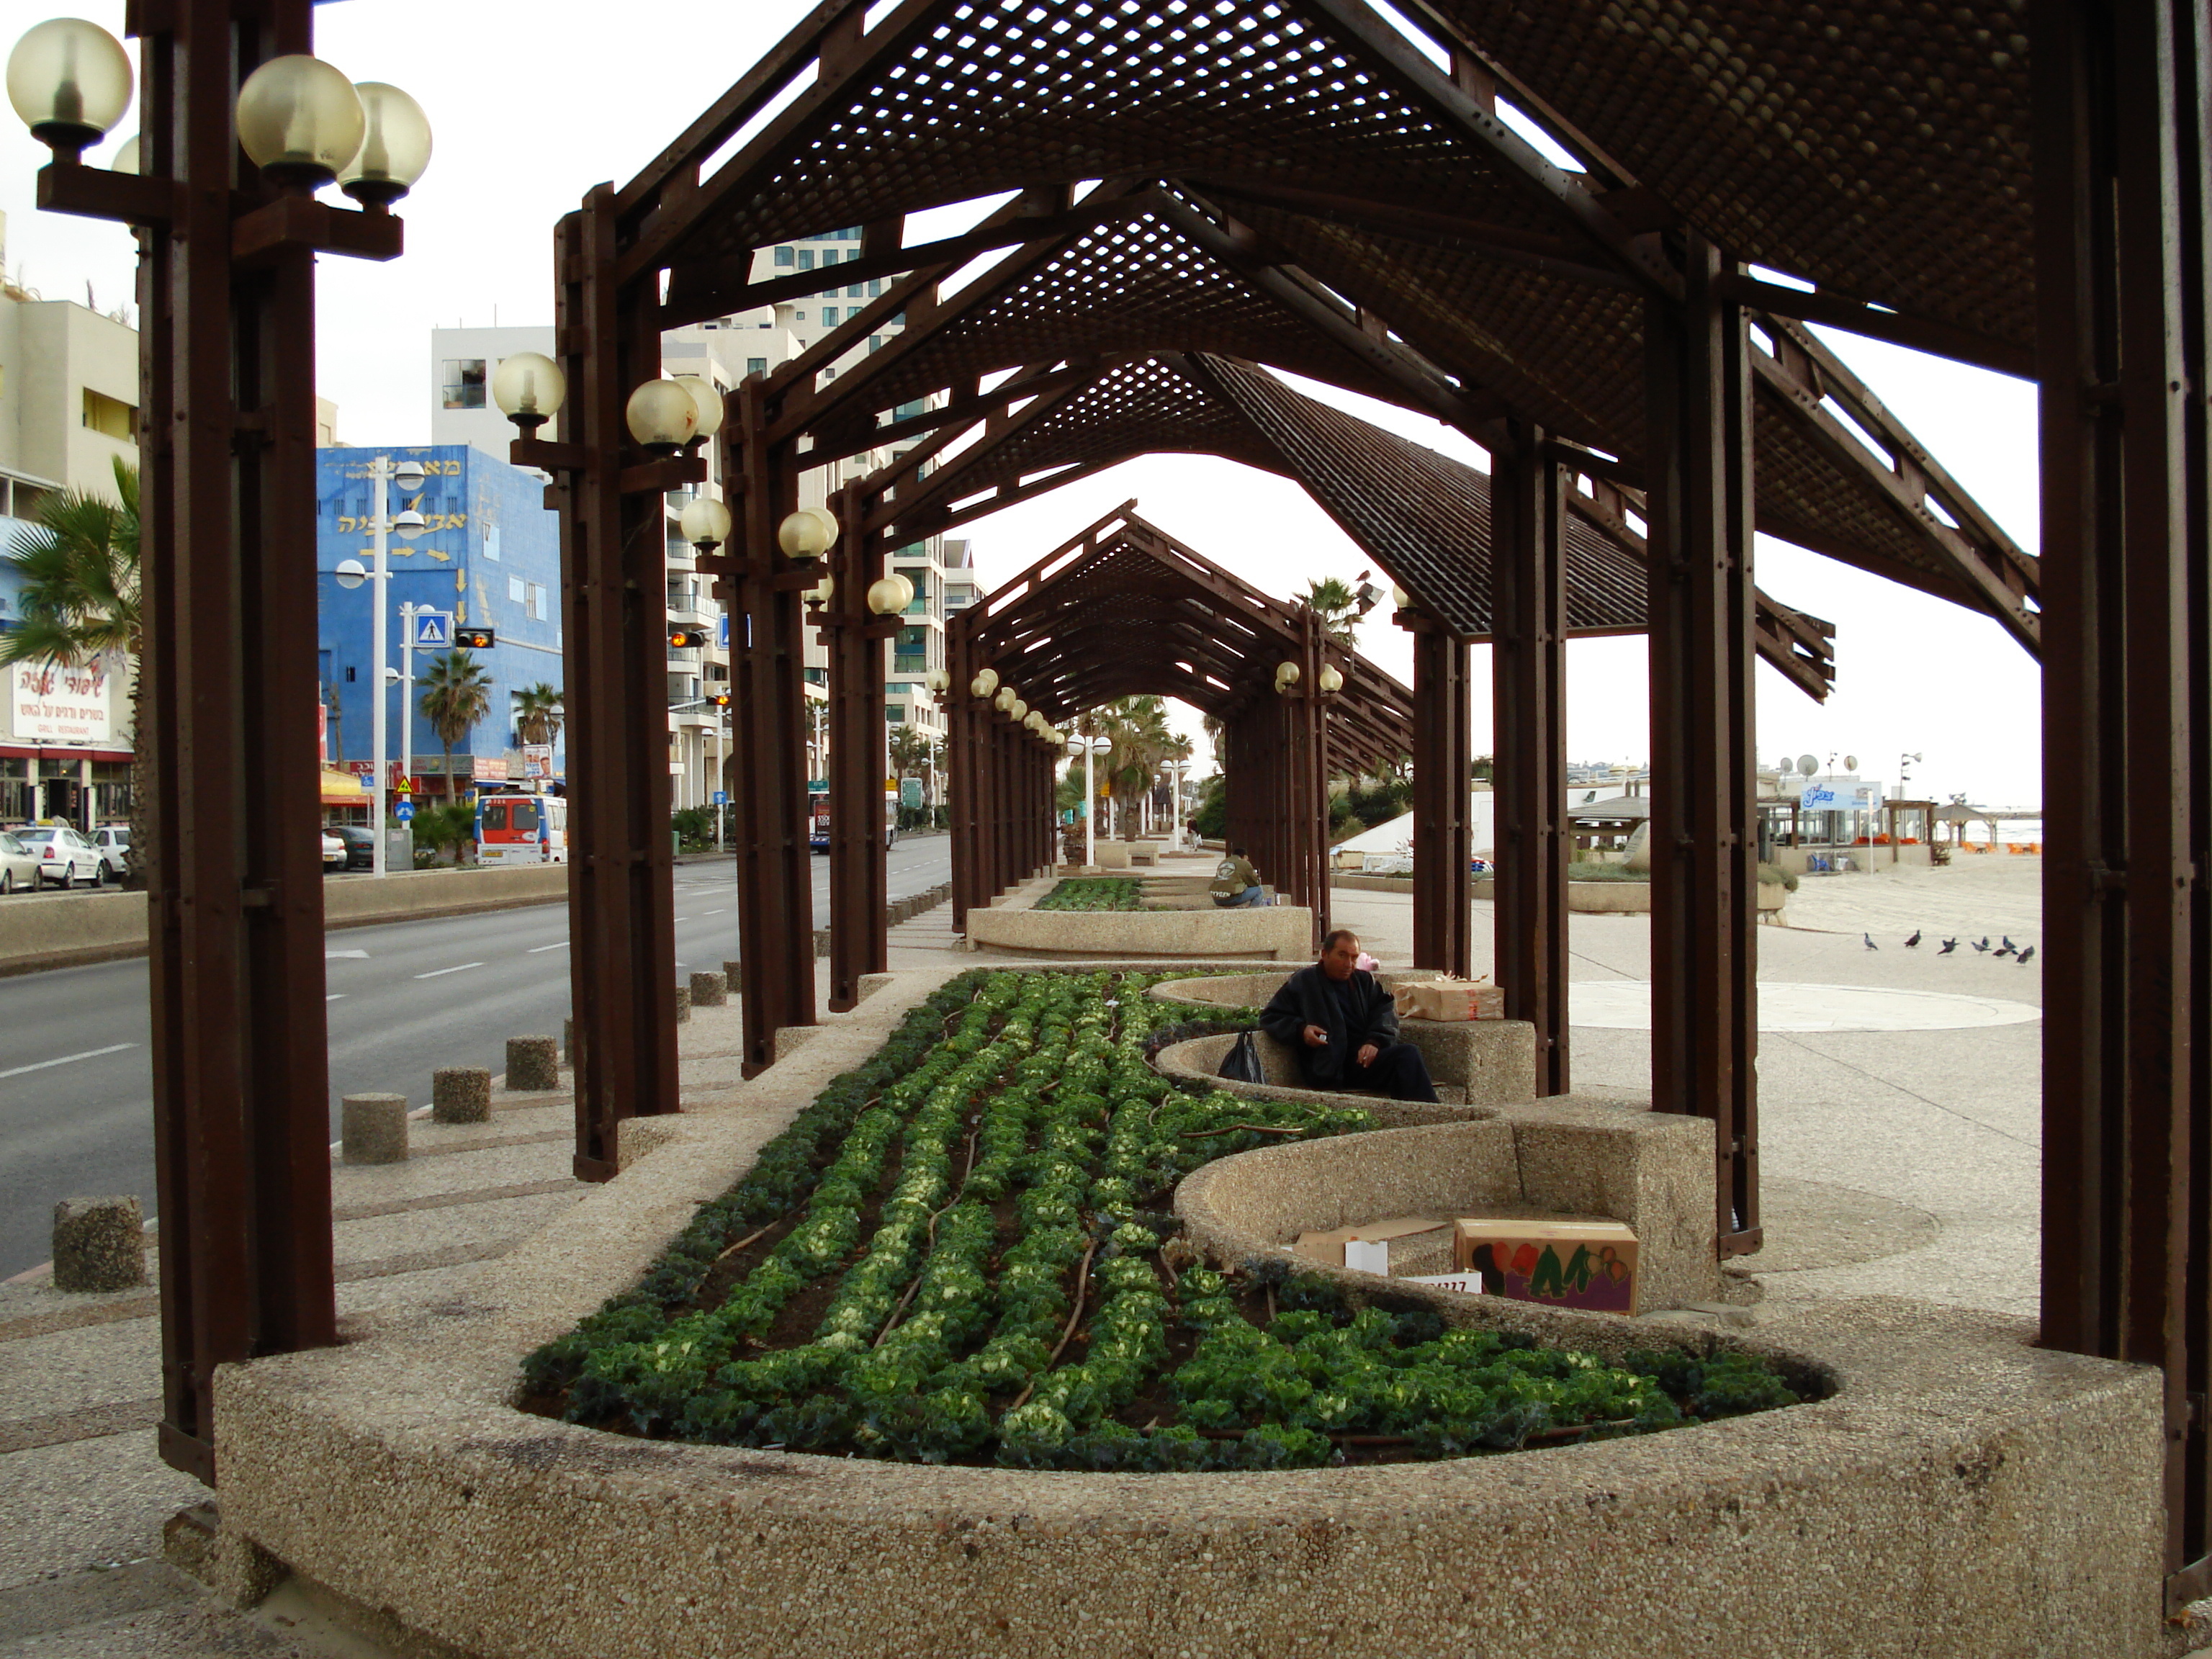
489	557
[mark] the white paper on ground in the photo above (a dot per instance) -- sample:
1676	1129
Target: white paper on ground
1471	1284
1365	1256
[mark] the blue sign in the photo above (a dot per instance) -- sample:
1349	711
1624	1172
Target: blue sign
405	812
1818	799
432	627
721	798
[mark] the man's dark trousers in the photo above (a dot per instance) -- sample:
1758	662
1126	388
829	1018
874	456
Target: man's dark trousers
1398	1071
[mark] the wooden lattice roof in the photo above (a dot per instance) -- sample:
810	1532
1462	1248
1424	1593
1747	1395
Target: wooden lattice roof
1123	608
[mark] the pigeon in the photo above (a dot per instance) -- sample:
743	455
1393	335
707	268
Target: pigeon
2025	954
1870	944
2004	950
2005	940
1949	945
1983	943
1913	943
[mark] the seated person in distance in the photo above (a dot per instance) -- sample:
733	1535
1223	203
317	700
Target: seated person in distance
1236	882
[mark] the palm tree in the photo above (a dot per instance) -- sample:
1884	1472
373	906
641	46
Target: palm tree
539	712
1338	605
1137	728
456	695
78	562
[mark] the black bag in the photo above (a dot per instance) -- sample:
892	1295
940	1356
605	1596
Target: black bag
1242	1064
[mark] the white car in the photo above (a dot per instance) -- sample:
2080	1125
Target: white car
65	858
113	840
19	864
334	853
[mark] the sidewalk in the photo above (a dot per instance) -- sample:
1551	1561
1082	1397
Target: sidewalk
1895	1161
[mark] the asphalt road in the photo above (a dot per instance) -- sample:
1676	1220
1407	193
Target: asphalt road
405	998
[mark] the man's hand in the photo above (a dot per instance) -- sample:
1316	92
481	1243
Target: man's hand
1317	1037
1367	1052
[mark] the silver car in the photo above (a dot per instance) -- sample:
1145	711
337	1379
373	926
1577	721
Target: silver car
65	857
19	864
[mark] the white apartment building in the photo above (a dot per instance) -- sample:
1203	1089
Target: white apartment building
724	351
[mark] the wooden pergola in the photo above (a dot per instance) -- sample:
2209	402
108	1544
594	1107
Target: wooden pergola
1314	187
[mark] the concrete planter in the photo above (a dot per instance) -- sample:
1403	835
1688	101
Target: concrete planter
1974	1495
1278	932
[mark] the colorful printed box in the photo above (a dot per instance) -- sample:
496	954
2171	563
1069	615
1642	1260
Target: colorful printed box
1580	1262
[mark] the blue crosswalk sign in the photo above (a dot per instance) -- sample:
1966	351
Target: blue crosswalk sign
405	812
432	627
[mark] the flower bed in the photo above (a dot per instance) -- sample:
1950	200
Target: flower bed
959	1253
1092	893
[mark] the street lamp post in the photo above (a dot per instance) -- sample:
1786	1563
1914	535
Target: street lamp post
409	476
1176	771
1090	747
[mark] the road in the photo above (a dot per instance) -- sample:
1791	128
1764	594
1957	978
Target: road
405	998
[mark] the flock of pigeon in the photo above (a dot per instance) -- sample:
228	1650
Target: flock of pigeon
2005	947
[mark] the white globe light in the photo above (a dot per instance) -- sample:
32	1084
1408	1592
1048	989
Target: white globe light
395	146
127	157
661	416
1019	709
1005	700
887	597
1330	678
70	81
300	120
705	522
977	687
986	682
1286	673
707	400
807	532
937	679
529	388
1401	598
823	591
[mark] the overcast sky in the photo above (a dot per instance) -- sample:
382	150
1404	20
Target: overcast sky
532	106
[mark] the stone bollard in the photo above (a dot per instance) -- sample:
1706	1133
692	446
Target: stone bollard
373	1128
708	991
461	1094
682	1005
821	941
99	1244
532	1063
733	975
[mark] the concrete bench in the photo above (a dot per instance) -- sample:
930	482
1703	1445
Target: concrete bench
1479	1062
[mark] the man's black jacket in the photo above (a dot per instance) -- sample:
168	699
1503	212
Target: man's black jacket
1305	1000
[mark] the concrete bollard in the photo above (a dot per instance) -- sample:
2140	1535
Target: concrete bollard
373	1128
708	991
532	1063
99	1244
682	1005
733	975
461	1094
821	941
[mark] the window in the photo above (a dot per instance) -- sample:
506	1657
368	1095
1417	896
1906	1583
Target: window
858	291
817	677
875	342
518	591
491	543
895	713
464	383
111	416
783	258
538	600
807	258
829	316
797	316
907	412
875	288
755	365
349	676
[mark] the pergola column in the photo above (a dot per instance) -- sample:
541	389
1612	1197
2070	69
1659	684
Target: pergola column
614	574
775	881
240	1078
1443	838
860	897
2121	144
1698	472
1529	632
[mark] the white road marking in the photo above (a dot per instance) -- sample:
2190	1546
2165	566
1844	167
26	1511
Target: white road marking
337	956
682	917
334	996
89	1054
540	950
710	913
436	973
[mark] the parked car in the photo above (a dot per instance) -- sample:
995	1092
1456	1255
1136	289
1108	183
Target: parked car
19	864
334	853
65	858
360	846
113	840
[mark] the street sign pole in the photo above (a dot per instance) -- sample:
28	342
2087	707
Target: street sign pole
380	470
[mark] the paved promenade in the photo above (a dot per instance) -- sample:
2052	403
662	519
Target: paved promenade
1898	1157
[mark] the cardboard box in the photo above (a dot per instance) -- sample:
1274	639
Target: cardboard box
1466	1283
1325	1250
1584	1262
1452	999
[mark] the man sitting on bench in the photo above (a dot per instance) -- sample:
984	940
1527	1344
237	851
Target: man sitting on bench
1343	1026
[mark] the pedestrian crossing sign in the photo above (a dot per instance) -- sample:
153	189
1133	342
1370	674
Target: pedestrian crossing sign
432	627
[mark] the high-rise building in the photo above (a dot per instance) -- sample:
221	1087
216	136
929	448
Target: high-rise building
723	351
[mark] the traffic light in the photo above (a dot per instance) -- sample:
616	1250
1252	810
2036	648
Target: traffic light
686	639
475	639
720	699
